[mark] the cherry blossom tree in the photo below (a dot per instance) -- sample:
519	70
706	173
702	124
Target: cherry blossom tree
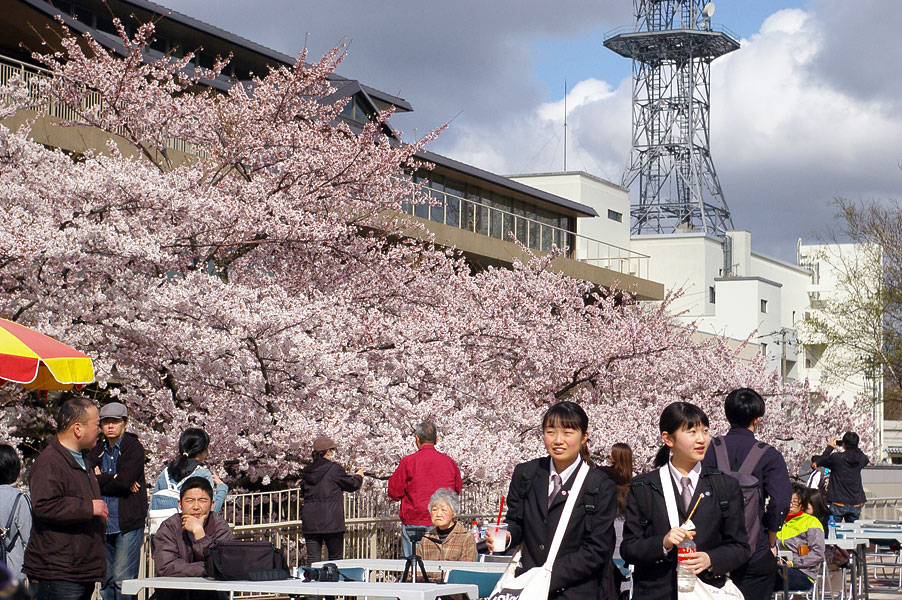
264	286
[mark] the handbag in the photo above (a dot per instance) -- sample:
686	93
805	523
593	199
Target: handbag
702	590
246	561
535	583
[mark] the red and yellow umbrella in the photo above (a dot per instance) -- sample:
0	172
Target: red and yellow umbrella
39	362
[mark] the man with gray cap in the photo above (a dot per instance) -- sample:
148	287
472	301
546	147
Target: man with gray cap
118	463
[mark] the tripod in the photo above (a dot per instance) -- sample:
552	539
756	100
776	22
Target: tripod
414	561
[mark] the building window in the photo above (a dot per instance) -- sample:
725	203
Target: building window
712	298
615	216
764	349
764	306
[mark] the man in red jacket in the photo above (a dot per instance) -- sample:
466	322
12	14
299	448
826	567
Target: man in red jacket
415	480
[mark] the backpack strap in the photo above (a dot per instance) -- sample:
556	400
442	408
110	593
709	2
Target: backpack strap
720	453
590	503
753	458
720	491
8	544
644	501
526	477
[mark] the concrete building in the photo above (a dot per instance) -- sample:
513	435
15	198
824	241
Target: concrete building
730	290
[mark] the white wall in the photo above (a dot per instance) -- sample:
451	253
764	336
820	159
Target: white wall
594	192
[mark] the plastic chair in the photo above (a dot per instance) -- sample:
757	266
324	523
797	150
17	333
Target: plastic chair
485	581
811	593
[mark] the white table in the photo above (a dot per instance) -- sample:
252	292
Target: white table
403	591
432	566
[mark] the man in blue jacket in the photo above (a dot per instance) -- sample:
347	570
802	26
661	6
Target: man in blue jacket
744	408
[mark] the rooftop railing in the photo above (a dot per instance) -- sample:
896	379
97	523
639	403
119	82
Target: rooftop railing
474	216
42	103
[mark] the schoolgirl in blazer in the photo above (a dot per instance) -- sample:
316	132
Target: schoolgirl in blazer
583	567
649	542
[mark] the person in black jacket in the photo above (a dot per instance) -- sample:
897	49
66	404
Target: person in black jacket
845	494
650	540
118	464
583	567
323	516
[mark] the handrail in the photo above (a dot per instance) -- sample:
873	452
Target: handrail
583	248
46	105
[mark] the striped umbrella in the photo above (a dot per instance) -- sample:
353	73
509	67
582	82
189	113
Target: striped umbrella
39	362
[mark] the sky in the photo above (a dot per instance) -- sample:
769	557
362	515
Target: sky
807	110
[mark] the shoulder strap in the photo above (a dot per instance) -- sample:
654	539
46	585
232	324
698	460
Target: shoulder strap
645	507
565	516
669	496
719	486
590	504
526	477
8	544
753	457
187	477
720	453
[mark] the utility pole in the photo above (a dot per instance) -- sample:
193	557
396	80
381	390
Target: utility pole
783	332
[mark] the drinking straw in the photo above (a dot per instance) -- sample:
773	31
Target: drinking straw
500	510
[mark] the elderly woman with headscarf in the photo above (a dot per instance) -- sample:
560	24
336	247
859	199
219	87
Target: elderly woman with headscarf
448	540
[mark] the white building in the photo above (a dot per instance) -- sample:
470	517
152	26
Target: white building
728	289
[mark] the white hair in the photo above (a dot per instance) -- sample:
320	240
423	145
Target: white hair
447	496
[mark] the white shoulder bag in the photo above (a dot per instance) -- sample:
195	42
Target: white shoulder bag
702	590
535	583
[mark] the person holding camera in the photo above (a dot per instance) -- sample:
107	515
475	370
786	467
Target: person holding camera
323	518
845	495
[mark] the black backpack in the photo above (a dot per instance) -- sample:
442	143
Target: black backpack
7	541
749	485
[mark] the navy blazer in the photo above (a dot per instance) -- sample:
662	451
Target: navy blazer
724	540
583	567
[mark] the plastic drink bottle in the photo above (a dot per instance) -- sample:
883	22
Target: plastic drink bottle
685	577
831	528
474	531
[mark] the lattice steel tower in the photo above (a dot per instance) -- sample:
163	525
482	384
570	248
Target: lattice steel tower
672	45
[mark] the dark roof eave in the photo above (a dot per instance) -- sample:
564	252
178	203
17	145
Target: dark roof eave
43	6
580	209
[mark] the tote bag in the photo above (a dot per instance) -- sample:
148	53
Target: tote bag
535	583
702	590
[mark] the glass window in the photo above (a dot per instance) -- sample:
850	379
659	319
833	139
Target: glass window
615	216
764	306
711	295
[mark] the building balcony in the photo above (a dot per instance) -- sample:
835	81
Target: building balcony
486	235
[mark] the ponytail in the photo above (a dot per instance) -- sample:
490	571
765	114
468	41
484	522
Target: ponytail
661	457
192	443
584	454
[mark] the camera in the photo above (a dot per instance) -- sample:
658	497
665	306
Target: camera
416	535
327	572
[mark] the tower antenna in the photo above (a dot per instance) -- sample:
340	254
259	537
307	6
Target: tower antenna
565	124
672	45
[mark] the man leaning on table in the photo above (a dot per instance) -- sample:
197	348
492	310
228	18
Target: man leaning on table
183	540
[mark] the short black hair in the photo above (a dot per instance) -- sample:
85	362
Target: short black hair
816	460
850	440
743	406
196	483
73	411
10	465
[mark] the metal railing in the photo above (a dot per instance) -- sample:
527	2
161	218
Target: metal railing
42	103
884	509
474	216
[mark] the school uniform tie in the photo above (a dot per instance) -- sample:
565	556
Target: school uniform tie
556	482
686	493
